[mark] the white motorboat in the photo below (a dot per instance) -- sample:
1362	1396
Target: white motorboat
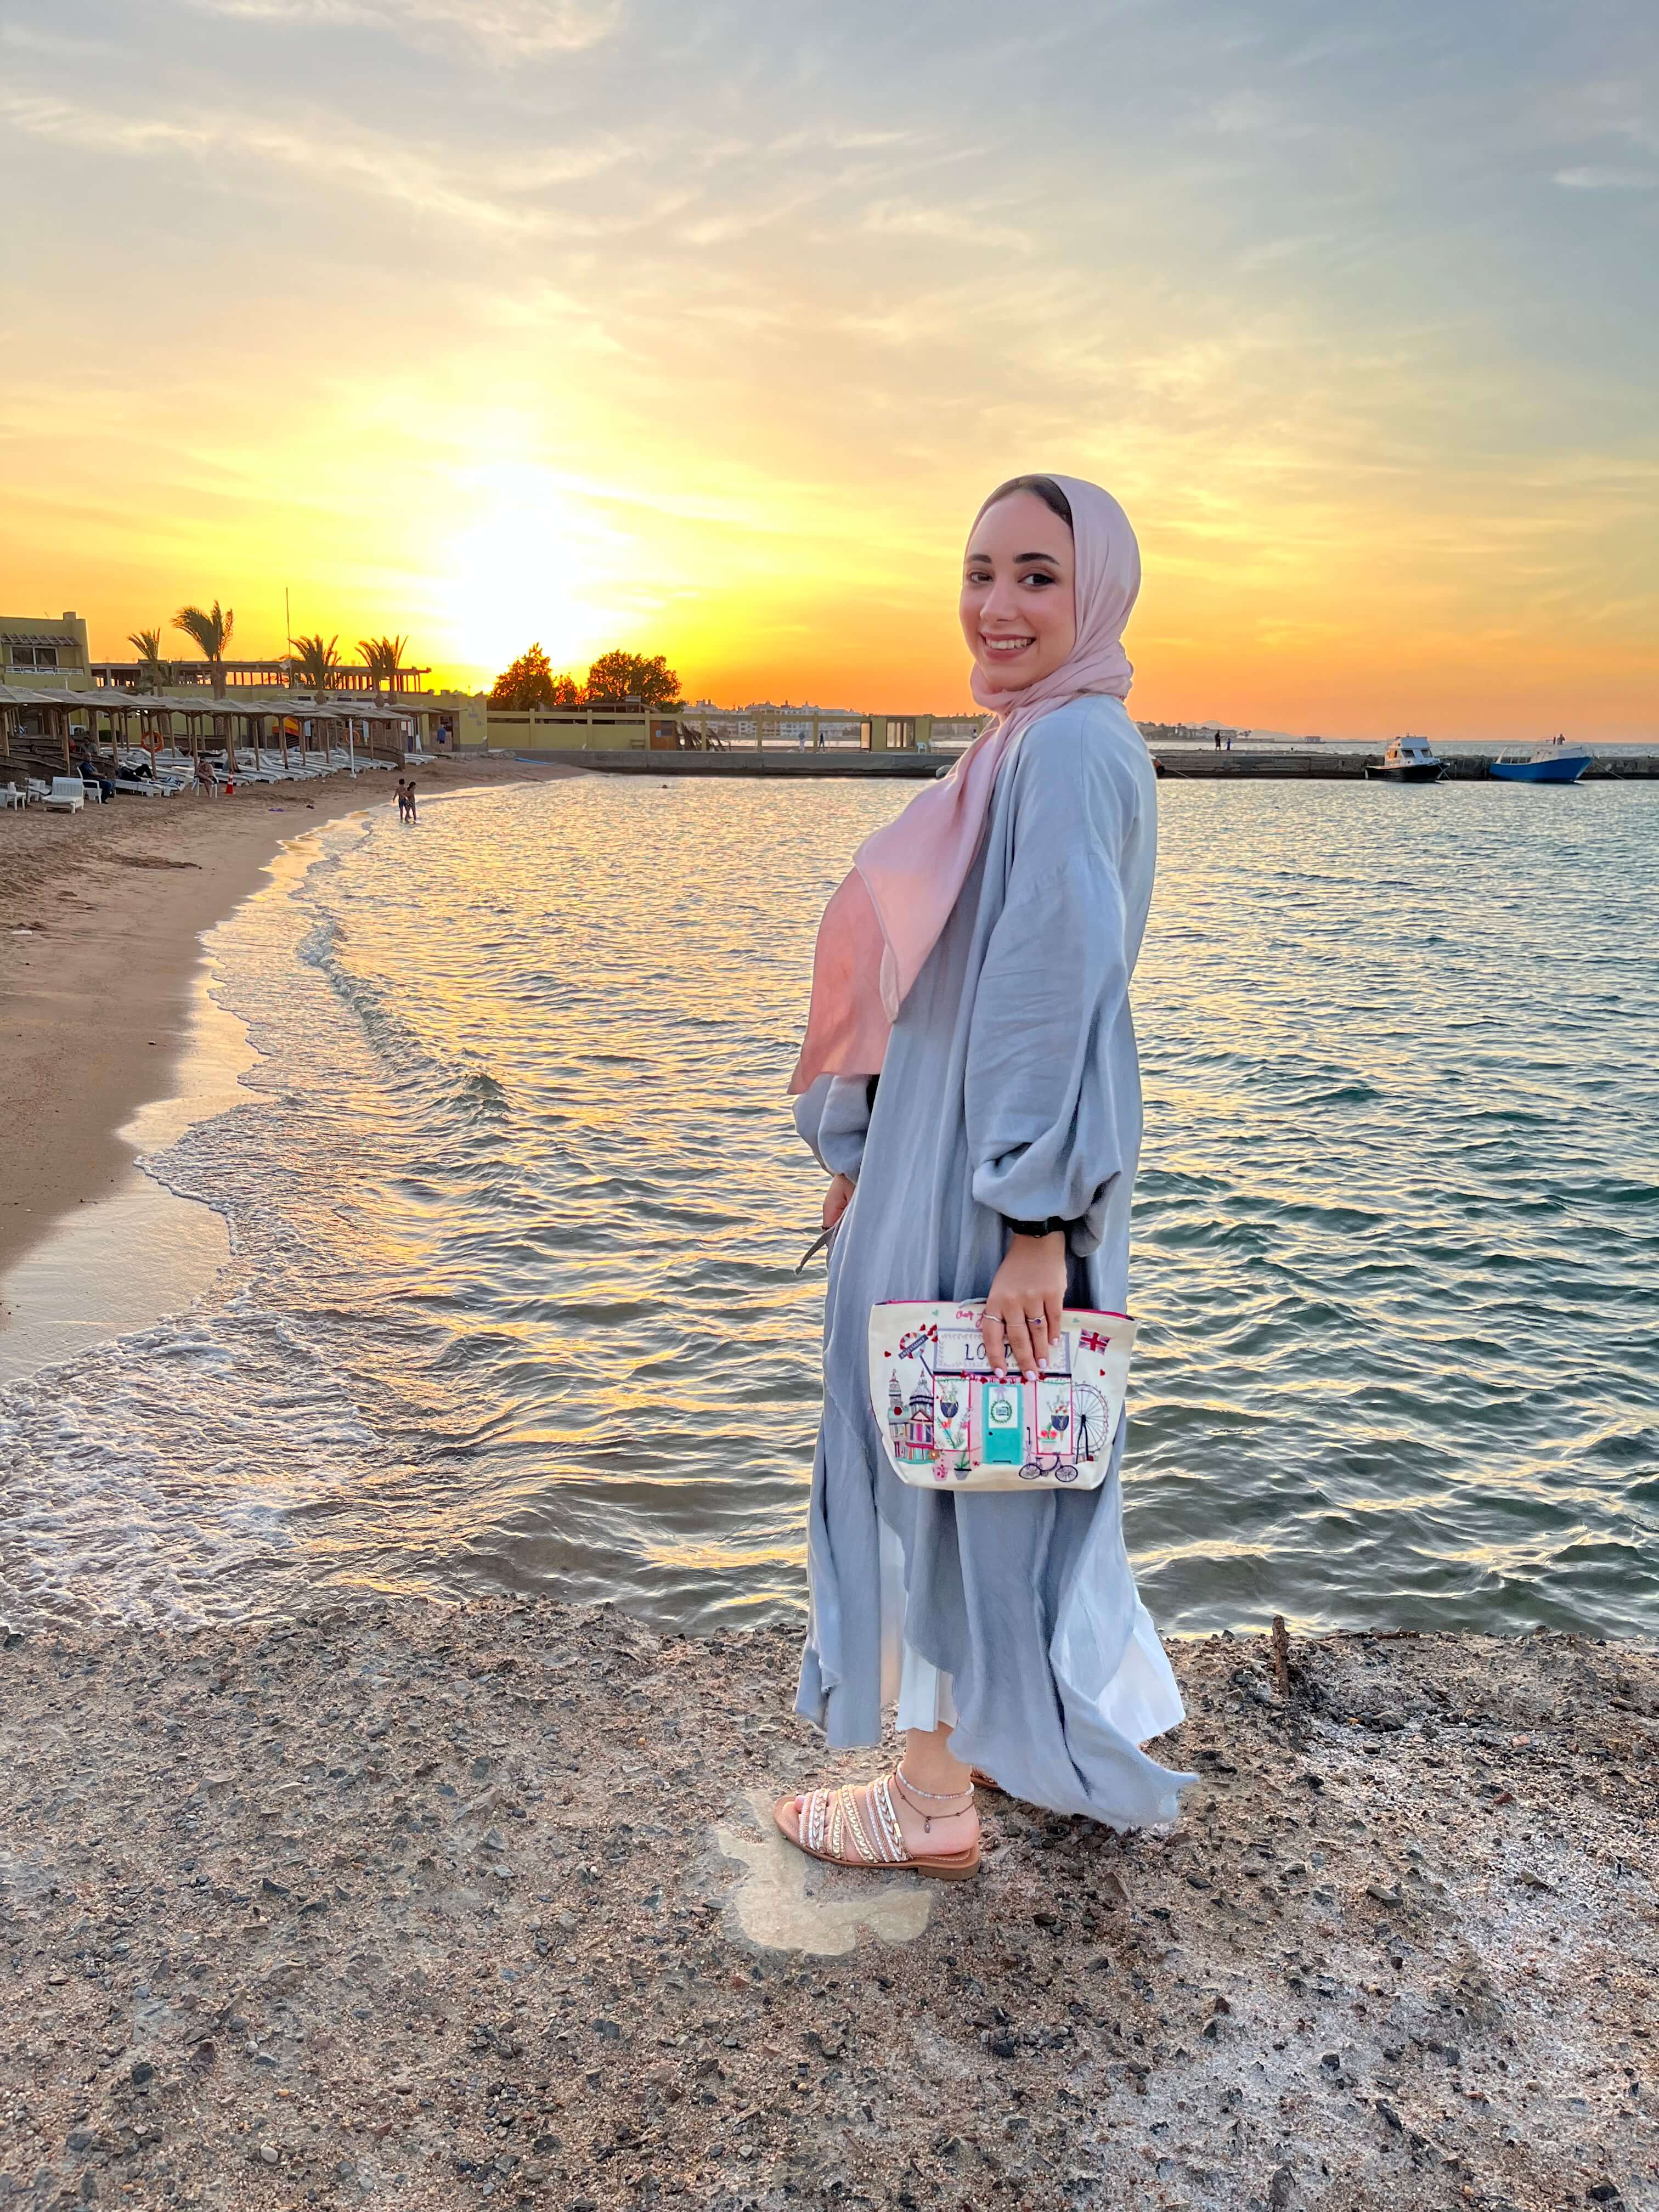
1408	760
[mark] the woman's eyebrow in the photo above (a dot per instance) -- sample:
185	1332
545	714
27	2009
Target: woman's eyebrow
1052	559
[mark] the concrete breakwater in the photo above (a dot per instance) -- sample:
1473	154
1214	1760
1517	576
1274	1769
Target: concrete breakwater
405	1905
1316	763
756	761
1332	763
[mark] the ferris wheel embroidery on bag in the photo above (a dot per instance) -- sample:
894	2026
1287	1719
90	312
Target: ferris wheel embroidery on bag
948	1421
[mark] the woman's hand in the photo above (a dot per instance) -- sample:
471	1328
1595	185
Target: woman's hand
836	1199
1021	1319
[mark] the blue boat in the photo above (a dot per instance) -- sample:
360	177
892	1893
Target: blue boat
1557	764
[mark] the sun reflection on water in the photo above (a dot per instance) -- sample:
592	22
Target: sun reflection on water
516	1205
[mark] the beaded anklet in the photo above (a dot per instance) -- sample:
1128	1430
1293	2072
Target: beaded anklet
909	1791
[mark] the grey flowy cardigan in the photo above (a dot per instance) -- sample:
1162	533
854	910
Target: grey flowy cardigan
1009	1090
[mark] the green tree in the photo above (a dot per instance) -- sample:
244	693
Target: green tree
152	669
209	629
530	681
618	676
383	657
314	661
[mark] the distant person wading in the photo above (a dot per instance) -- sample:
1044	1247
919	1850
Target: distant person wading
969	1081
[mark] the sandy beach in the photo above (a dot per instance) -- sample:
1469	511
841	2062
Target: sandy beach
405	1906
103	912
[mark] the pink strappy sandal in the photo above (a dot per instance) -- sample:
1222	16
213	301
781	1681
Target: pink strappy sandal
857	1826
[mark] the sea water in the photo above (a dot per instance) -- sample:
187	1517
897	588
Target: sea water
514	1205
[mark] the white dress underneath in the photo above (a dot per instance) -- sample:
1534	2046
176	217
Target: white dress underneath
1141	1699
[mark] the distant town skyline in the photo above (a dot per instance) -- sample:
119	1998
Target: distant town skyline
611	323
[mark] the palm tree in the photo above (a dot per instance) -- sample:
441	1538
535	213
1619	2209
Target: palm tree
153	668
314	661
209	630
383	657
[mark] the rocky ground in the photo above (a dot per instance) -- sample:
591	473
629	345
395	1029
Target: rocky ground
406	1906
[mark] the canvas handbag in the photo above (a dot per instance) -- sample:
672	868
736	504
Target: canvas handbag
947	1422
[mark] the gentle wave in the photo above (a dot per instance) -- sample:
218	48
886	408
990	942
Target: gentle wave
514	1207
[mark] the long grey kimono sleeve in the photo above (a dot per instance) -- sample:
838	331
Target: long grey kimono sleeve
833	1117
1053	1097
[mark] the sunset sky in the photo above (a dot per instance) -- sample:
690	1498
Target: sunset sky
702	328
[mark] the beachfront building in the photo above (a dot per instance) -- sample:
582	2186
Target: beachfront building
435	722
45	652
896	734
56	700
924	733
42	654
702	727
188	676
45	732
628	728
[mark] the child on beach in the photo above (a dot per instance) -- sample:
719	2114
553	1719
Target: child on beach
977	961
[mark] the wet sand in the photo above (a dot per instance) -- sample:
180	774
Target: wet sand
95	999
416	1907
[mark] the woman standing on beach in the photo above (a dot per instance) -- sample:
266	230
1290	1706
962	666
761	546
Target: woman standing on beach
977	961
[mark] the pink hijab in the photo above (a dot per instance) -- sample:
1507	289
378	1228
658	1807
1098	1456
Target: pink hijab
886	914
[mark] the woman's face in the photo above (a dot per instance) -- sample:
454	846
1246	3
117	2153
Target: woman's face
1019	601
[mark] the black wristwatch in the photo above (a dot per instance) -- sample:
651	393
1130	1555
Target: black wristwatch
1036	1228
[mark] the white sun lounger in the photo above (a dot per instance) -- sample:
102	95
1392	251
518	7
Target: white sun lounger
68	793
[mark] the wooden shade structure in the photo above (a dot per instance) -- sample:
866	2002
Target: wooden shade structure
209	725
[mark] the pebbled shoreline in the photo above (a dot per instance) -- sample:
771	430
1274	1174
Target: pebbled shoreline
403	1905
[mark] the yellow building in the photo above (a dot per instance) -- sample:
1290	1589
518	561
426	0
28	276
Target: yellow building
896	734
44	653
577	729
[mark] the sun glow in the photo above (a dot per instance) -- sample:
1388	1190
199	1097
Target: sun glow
605	359
534	563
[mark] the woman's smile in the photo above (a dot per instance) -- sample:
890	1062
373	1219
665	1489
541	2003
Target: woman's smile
1018	600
